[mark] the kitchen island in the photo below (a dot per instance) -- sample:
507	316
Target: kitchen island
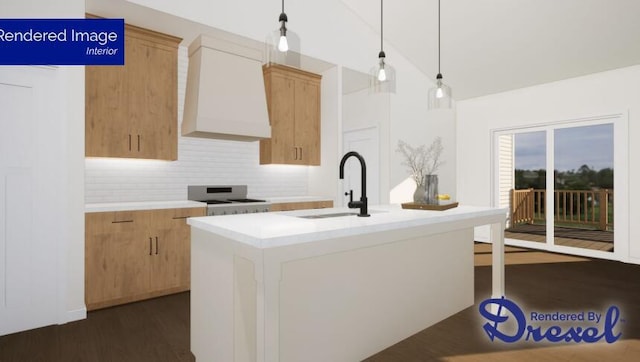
318	285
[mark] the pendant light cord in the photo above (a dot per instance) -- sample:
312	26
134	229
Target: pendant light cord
438	36
381	23
283	6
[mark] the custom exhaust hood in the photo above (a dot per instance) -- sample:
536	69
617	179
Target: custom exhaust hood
225	96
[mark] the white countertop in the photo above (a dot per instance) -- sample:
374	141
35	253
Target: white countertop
141	205
178	204
268	230
281	200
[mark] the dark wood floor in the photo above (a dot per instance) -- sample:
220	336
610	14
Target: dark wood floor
154	330
570	287
158	330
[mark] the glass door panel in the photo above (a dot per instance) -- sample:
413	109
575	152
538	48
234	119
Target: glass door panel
527	210
583	182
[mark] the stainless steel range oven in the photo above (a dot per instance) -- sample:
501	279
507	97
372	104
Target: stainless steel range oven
226	200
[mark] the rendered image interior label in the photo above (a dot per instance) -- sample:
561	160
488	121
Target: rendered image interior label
507	322
61	41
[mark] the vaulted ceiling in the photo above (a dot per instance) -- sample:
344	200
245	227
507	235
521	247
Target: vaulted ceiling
487	46
491	46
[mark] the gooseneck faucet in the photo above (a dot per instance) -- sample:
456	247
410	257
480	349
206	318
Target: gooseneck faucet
363	203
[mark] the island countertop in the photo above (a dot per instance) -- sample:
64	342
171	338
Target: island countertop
275	229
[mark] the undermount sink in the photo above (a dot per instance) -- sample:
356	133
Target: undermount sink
323	216
336	214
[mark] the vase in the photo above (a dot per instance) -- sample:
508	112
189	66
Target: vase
418	194
431	189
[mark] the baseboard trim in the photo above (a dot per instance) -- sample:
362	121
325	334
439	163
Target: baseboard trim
74	315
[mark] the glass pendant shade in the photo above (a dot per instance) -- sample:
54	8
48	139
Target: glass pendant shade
282	46
382	78
440	95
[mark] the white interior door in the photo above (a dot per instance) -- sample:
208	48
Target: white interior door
366	143
28	230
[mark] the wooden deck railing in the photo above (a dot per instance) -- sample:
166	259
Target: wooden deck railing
587	207
522	206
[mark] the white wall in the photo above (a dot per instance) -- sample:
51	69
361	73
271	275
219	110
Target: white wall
70	241
330	104
412	122
616	91
362	109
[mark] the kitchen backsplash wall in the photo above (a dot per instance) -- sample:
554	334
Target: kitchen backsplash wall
200	161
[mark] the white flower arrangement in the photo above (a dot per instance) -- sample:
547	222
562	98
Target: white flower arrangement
421	160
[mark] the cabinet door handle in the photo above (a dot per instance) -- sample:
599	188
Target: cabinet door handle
180	217
300	153
150	245
156	245
129	142
296	156
120	221
138	143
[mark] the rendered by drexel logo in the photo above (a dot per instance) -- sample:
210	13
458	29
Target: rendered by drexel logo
507	322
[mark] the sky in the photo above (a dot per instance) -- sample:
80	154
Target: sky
574	147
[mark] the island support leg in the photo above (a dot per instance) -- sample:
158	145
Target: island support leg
497	258
268	321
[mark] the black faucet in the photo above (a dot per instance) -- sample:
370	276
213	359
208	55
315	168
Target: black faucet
363	203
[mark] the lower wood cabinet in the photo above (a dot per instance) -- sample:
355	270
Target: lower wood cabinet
135	255
288	206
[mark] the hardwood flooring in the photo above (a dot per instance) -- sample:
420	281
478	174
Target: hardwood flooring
568	286
155	330
515	255
158	329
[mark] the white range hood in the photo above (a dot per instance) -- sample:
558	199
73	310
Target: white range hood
225	96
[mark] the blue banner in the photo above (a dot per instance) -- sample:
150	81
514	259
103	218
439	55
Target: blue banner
61	41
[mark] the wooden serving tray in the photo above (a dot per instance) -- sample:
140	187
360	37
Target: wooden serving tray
423	206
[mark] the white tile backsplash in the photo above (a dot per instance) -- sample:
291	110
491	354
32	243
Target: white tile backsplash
200	161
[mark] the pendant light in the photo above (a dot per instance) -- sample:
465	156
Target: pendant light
282	46
383	75
440	95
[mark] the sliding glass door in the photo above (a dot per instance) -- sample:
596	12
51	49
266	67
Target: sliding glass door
558	182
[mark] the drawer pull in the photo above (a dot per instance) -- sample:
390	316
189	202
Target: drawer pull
121	221
150	245
180	217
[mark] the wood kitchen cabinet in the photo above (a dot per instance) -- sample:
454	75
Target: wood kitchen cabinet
131	111
293	99
136	255
171	266
288	206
